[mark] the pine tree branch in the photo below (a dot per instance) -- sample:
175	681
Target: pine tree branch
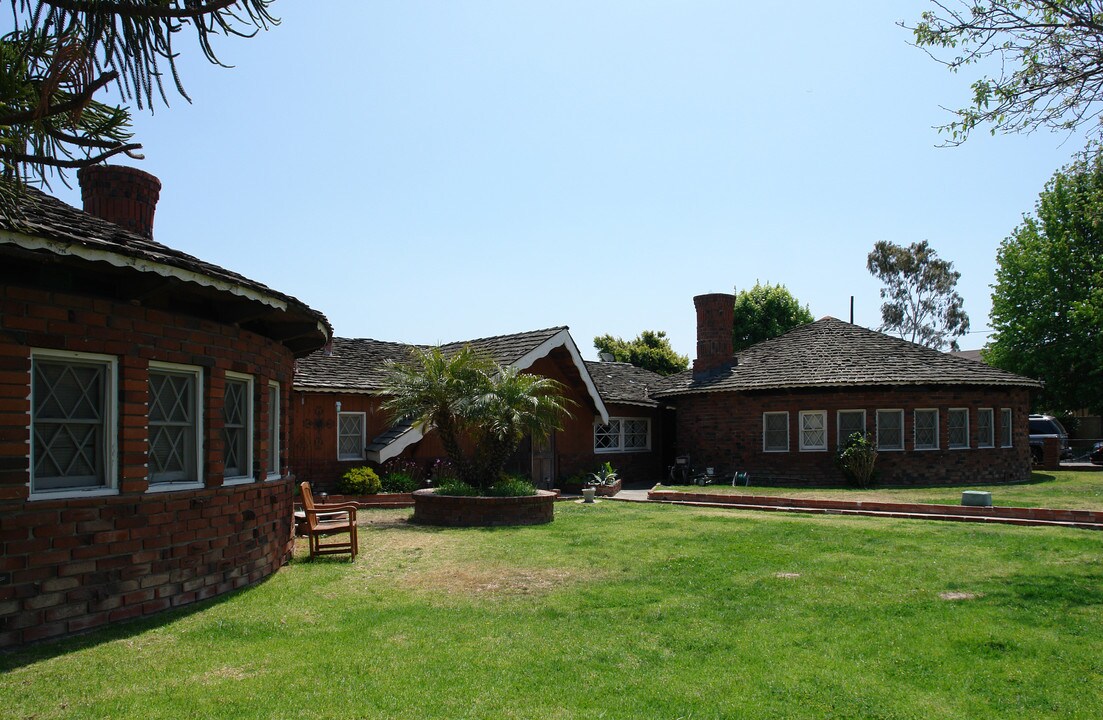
10	157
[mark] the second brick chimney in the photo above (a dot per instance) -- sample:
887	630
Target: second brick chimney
122	195
715	316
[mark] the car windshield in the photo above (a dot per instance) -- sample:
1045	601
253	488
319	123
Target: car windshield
1046	427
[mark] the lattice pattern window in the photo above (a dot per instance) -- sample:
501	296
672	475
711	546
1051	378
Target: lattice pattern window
850	422
890	429
273	430
1005	427
957	428
350	436
926	429
237	427
775	432
173	425
72	418
813	430
985	428
623	435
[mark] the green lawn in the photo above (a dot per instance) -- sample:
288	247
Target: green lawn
1067	490
619	610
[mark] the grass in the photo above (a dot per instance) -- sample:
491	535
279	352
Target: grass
618	610
1067	490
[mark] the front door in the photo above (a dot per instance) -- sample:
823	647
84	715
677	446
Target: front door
543	462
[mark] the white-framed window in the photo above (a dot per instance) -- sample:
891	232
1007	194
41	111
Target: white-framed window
957	428
926	429
351	427
74	423
237	428
1005	427
623	434
986	428
175	425
890	429
813	430
274	415
775	432
850	422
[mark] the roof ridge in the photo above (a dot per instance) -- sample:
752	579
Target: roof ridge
556	328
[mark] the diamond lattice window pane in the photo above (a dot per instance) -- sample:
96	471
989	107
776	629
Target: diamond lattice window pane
70	406
607	437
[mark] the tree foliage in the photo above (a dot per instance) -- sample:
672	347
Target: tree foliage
1047	302
921	301
1045	57
764	312
480	409
650	350
63	53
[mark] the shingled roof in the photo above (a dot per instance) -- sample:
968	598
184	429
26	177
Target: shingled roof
624	383
48	227
357	365
833	353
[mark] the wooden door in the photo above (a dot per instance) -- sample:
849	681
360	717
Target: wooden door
543	462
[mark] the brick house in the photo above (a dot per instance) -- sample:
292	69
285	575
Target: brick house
338	423
638	439
780	408
142	425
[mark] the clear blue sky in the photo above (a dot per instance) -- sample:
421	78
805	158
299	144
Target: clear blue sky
429	171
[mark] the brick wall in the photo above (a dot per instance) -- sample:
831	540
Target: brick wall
70	564
724	430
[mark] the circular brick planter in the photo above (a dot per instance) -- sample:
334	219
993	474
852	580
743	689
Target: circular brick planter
467	511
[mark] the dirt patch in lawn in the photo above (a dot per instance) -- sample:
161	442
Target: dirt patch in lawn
501	581
954	596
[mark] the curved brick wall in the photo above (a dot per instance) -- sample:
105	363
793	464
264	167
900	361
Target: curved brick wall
71	564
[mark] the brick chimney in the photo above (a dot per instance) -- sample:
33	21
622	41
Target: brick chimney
122	195
715	316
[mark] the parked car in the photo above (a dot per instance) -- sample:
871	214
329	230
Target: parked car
1096	455
1043	426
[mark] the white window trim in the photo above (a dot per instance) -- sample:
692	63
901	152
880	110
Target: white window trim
915	430
111	429
813	448
839	439
183	484
250	435
968	437
991	428
363	436
274	432
788	440
620	449
1006	420
900	413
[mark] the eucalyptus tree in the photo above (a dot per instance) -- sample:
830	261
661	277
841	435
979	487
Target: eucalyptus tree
920	293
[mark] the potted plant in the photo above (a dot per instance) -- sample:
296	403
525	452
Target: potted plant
481	412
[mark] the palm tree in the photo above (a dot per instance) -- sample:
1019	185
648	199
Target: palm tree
480	409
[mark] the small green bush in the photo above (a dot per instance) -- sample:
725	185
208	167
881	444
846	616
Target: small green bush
399	482
511	487
506	487
359	481
452	486
857	459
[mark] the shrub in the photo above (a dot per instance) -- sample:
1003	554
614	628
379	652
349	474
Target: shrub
443	471
511	486
359	481
605	475
857	459
452	486
399	482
